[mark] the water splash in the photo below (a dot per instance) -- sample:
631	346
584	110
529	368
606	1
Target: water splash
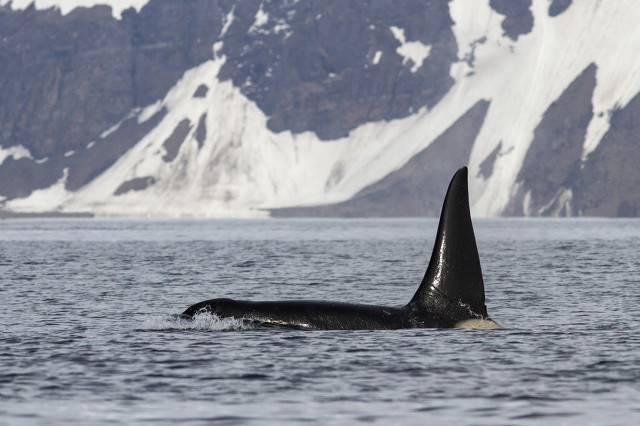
202	321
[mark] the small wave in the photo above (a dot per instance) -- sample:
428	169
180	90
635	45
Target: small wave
202	321
245	264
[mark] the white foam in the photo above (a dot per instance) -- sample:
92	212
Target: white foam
203	321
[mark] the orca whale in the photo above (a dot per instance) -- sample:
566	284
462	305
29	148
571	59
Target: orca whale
451	294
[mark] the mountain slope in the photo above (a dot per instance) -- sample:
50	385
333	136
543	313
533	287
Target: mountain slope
220	108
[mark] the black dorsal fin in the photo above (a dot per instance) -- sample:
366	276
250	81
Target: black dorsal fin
454	271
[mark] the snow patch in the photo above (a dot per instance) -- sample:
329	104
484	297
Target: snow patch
261	19
376	57
66	6
109	131
51	198
228	20
217	48
16	152
144	114
283	26
410	50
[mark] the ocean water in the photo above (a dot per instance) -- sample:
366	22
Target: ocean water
87	336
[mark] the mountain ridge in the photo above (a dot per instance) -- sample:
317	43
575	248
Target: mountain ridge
235	109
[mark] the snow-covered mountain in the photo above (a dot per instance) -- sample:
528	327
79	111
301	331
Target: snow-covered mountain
215	108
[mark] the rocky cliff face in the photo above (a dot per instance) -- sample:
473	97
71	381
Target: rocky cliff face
66	80
555	179
607	185
315	66
432	85
554	157
308	66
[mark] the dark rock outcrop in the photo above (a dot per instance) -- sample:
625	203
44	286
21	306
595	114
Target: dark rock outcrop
173	143
311	65
486	167
137	184
608	183
557	7
553	159
18	178
201	130
201	91
518	19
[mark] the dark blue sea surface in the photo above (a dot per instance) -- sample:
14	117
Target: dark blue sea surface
87	336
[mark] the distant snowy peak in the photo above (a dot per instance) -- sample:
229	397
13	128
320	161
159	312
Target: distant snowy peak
66	6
